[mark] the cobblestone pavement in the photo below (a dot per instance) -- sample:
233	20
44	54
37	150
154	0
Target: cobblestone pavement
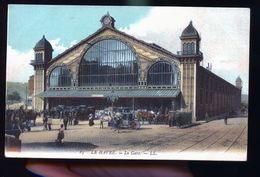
212	140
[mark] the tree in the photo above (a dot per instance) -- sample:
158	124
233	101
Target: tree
14	96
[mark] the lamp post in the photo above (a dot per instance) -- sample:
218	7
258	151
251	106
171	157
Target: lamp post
134	107
112	97
26	91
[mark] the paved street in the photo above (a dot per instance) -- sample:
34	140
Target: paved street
212	140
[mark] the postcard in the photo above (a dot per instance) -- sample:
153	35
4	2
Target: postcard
127	82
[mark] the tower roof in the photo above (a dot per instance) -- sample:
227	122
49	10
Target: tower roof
238	79
190	32
43	44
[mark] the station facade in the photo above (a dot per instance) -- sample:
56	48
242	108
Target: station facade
111	66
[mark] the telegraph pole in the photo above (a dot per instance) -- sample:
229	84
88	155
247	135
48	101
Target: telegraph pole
26	97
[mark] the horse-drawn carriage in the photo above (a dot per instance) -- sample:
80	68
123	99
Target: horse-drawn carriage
143	115
152	117
180	119
124	118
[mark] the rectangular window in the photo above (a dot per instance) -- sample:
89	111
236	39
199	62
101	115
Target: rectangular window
39	57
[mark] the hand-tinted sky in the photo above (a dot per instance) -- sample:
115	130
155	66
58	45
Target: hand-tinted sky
27	23
224	33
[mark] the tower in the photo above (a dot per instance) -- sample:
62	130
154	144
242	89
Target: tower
43	54
239	83
190	58
190	41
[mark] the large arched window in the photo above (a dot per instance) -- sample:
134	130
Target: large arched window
108	62
162	73
60	77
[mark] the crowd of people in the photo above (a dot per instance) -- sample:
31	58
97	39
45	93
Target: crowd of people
67	117
19	120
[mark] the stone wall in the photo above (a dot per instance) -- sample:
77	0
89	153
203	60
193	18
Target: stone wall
38	103
215	96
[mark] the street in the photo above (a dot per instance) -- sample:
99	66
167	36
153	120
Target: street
212	140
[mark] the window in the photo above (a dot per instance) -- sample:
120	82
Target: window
162	73
108	62
188	48
191	51
39	57
60	77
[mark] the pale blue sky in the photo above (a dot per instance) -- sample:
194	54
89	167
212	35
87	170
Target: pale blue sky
27	23
224	33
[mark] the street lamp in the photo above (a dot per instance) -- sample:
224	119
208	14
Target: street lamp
26	91
133	107
112	97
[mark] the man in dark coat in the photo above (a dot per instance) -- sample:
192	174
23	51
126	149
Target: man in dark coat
65	120
225	118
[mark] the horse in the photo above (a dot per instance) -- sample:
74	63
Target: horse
12	123
161	118
31	115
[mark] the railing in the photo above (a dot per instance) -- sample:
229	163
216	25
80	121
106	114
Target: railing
33	62
181	53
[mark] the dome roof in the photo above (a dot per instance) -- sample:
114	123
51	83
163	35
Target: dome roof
189	32
238	79
43	44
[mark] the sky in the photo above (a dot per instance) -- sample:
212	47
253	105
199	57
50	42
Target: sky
224	33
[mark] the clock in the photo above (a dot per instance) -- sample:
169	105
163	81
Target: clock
106	20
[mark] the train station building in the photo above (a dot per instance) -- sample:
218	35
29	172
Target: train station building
112	66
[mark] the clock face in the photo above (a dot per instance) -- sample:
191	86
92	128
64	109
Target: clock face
106	20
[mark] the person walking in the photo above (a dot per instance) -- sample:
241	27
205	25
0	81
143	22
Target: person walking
45	120
65	120
91	120
118	117
49	122
102	121
118	124
225	119
61	135
70	118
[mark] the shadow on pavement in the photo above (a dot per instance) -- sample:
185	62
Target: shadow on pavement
66	146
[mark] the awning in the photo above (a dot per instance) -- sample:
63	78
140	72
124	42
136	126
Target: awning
144	93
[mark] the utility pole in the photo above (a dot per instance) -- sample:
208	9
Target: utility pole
133	107
26	97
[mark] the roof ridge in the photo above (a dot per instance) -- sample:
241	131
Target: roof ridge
157	47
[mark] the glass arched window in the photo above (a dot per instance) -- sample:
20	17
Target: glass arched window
108	62
60	77
162	73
